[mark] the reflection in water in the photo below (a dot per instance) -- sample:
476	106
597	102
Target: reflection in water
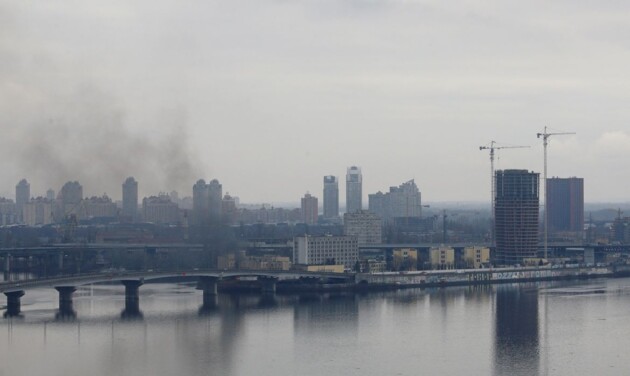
516	347
456	331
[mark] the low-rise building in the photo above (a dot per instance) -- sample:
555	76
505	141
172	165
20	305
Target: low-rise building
326	250
474	257
405	259
442	257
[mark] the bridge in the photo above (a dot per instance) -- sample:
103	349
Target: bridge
207	281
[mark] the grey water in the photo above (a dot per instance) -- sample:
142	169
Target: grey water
560	328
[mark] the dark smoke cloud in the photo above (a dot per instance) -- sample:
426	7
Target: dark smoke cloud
88	138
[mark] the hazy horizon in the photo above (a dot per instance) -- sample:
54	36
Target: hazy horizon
269	96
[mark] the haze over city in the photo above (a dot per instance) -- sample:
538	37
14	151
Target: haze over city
269	96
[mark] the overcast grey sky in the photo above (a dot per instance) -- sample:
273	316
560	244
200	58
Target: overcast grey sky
269	96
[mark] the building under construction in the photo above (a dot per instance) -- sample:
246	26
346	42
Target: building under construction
516	216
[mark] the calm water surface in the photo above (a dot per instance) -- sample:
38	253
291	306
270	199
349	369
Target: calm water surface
579	328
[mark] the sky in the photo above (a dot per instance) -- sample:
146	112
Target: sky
268	96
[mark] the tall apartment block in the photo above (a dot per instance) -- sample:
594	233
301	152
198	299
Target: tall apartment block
215	197
309	209
130	199
331	197
565	204
403	201
22	197
516	215
354	190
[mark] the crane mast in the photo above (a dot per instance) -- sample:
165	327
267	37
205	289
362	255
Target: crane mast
545	136
492	148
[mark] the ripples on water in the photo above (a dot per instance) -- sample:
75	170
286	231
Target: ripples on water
577	328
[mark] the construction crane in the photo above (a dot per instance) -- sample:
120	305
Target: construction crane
545	136
492	148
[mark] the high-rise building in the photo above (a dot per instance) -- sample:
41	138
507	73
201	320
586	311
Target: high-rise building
68	201
331	197
22	196
365	225
130	199
354	189
215	197
403	201
160	210
200	202
38	211
50	194
310	209
565	204
516	215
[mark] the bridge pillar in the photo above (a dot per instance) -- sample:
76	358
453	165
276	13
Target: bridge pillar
66	309
132	298
13	303
209	286
268	284
7	267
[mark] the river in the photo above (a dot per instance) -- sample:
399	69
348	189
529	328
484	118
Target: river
552	328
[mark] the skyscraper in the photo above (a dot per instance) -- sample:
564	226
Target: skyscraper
215	197
130	199
516	215
354	190
310	209
331	197
200	202
22	197
566	204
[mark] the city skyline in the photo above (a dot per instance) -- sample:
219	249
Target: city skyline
411	93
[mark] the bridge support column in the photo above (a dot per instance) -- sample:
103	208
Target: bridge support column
132	298
209	286
268	284
14	305
7	267
66	309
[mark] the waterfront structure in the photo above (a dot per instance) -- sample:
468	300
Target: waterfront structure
331	197
328	249
365	225
22	196
475	257
309	208
215	198
442	257
404	259
516	216
403	201
354	189
38	211
130	199
565	205
201	202
160	210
